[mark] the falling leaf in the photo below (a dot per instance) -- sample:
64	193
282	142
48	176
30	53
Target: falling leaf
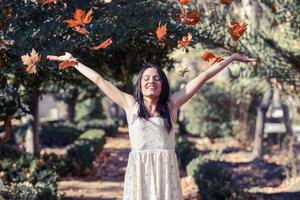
80	18
191	18
161	32
236	29
184	1
31	61
183	71
103	45
211	57
67	64
185	41
226	2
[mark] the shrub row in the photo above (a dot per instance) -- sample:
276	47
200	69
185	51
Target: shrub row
214	182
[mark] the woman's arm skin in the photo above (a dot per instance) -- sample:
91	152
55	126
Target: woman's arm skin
184	94
123	99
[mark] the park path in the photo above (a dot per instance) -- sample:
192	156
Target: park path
105	180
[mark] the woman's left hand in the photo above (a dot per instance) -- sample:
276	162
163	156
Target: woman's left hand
242	58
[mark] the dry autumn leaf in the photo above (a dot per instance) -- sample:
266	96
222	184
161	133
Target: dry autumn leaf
226	2
191	18
184	1
161	32
67	64
31	61
80	18
103	45
236	29
185	41
211	57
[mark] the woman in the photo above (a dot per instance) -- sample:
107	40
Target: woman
152	169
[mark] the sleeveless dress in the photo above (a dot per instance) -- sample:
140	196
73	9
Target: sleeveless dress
152	170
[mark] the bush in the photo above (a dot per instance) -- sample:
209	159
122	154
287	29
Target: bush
208	113
185	151
109	126
82	154
27	178
214	182
10	151
58	133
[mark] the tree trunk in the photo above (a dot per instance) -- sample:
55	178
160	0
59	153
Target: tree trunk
33	146
6	134
260	122
243	126
71	106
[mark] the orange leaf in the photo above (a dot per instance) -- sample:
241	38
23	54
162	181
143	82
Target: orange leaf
80	18
185	41
31	61
161	32
210	56
191	18
236	29
67	64
103	45
184	1
227	2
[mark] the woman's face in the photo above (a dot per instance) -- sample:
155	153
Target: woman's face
151	83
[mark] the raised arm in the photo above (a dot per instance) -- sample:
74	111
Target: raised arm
184	94
123	99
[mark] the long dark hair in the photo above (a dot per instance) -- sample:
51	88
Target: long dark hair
162	105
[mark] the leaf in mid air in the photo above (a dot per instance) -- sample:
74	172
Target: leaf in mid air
161	32
31	61
184	1
185	41
226	2
236	29
102	45
80	18
209	56
191	18
67	64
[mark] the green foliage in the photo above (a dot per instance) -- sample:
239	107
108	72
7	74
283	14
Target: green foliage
208	113
9	151
214	182
57	133
84	151
107	125
185	151
28	178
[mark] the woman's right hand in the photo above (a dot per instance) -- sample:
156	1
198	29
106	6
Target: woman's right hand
66	57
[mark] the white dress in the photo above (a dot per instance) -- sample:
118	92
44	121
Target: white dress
152	171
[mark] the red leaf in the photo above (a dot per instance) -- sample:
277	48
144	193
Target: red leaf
191	18
184	1
67	64
211	57
103	45
80	18
185	41
161	32
226	2
236	29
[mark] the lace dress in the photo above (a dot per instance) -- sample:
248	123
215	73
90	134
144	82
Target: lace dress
152	170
